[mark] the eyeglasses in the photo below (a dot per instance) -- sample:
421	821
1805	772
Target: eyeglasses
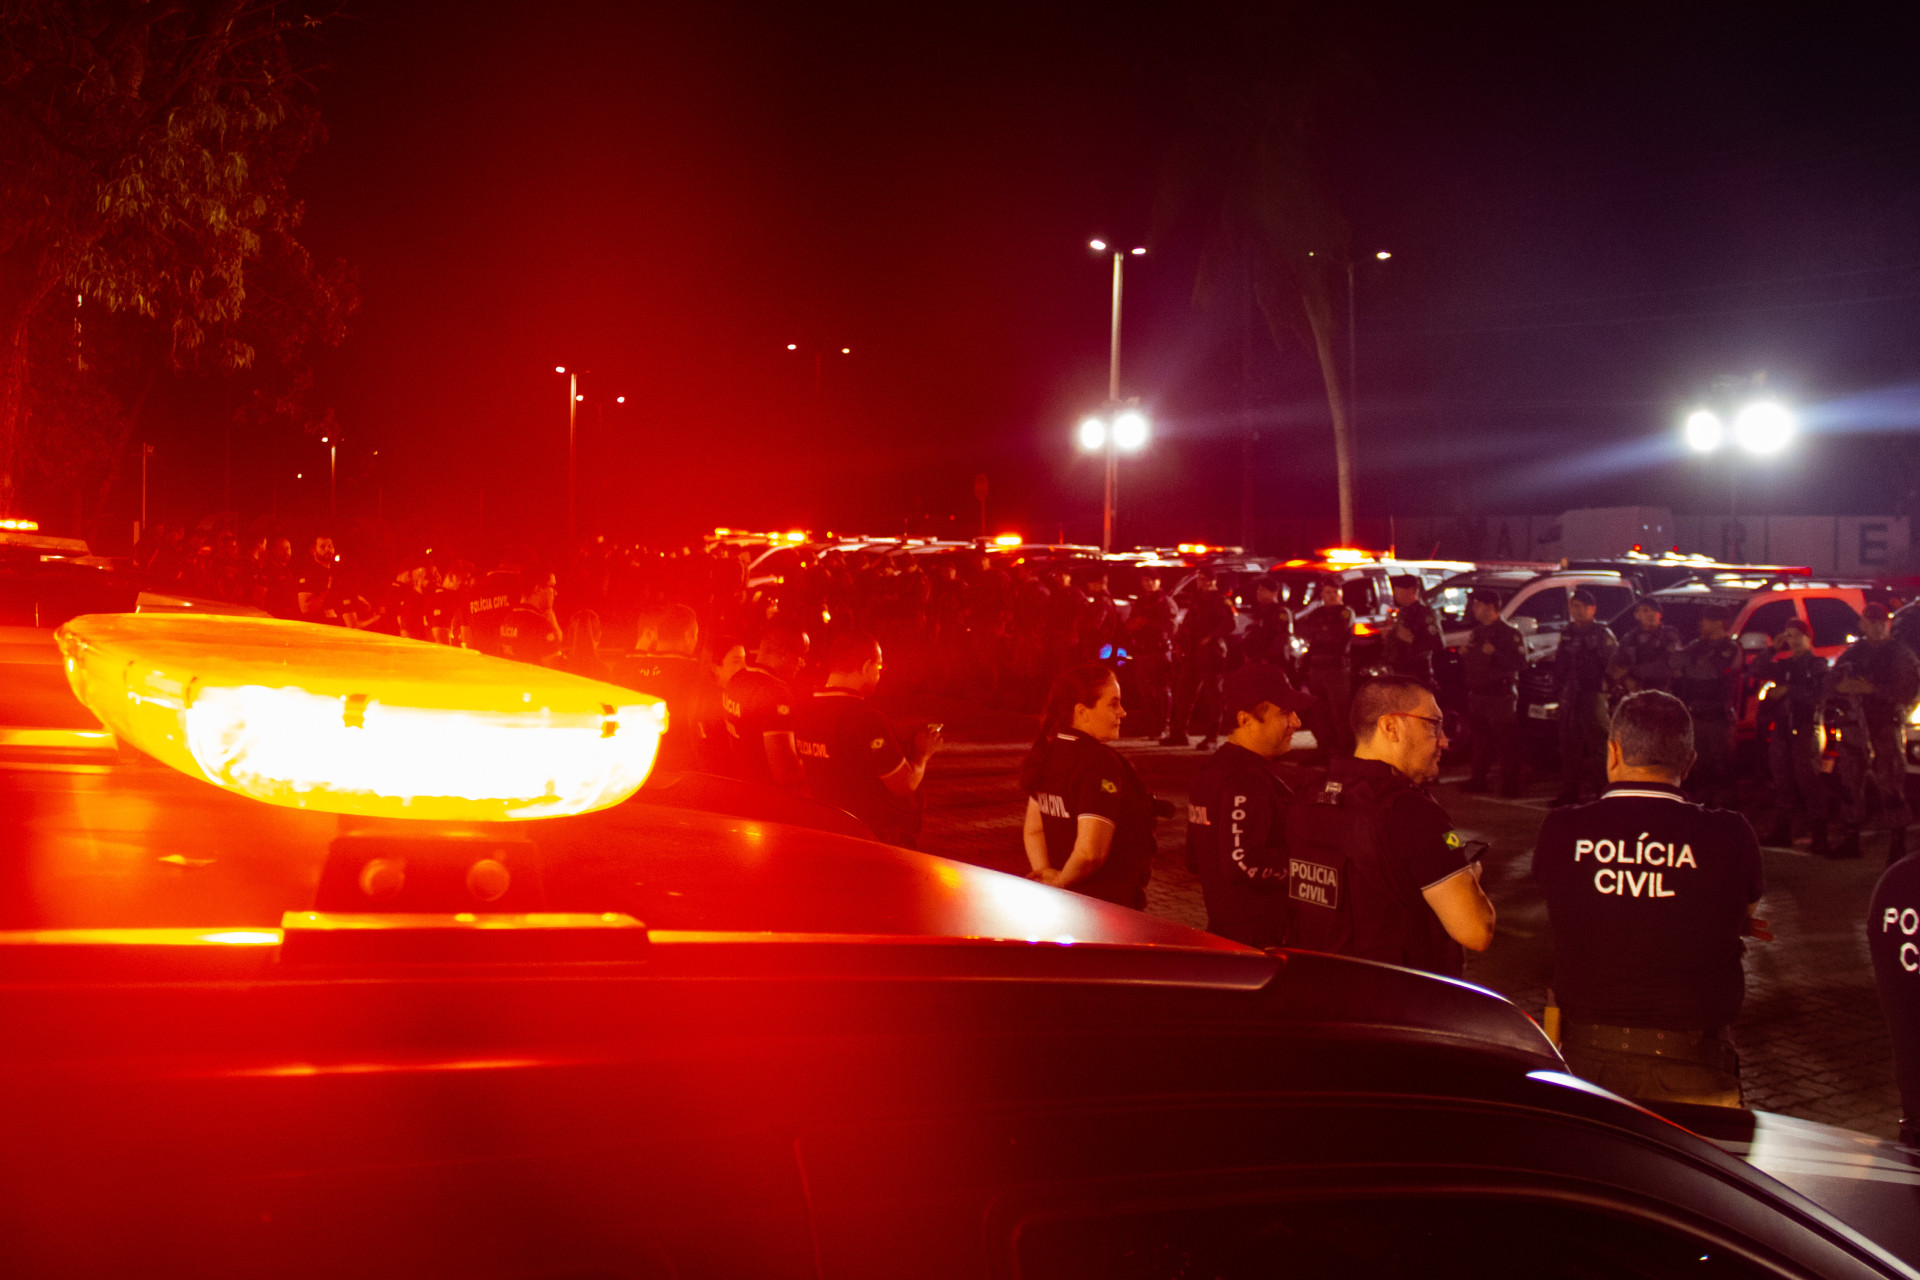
1436	721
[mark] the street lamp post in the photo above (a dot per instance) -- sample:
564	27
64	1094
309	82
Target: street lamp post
333	476
1110	432
573	402
1122	432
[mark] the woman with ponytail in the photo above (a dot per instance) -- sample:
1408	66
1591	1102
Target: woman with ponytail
1089	823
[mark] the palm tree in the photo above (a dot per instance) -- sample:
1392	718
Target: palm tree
1246	176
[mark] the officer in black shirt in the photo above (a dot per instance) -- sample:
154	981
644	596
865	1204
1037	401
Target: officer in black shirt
663	664
1089	823
528	631
1876	680
1491	662
1893	939
1648	652
1149	641
853	760
1649	896
488	603
1794	712
1580	666
1270	637
758	705
1199	660
1416	639
1707	680
1374	867
1328	630
1236	811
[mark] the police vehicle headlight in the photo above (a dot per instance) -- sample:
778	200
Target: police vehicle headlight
346	721
1913	716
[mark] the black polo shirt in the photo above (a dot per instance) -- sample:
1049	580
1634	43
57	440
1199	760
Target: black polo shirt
755	703
1648	896
1236	841
527	635
678	681
1078	777
1893	939
847	748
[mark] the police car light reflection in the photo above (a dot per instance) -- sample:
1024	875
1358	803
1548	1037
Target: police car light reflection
1030	911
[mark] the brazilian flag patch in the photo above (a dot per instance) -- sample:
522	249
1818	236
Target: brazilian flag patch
1109	786
1454	841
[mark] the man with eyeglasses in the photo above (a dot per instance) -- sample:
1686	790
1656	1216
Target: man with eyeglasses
1375	868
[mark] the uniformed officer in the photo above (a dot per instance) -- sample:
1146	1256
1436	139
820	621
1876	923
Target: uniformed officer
528	631
1089	821
1648	652
1706	678
852	758
663	664
1796	739
1149	639
1879	678
1269	638
1374	868
1580	667
758	703
1893	939
1099	628
1491	663
1328	630
1649	896
1199	660
1236	810
1416	638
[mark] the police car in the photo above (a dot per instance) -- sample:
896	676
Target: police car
355	956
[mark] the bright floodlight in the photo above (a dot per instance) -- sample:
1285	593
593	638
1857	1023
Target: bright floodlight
1098	245
1383	255
1093	434
1136	252
559	368
1763	427
1703	431
1130	430
619	399
793	346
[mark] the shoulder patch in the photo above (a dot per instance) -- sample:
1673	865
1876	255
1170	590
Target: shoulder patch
878	744
1109	786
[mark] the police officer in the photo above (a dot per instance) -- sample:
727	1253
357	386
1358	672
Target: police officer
1706	678
1270	637
1089	822
1649	896
1374	868
1328	630
1149	637
1580	667
1893	939
1236	811
663	664
1491	663
852	758
1796	738
1416	639
1099	630
757	705
528	631
1199	660
1647	653
1879	678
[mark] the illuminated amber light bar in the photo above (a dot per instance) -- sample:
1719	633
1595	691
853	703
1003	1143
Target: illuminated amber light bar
346	721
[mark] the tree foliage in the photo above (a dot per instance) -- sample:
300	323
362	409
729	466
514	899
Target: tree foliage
145	150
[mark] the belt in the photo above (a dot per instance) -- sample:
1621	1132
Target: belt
1650	1041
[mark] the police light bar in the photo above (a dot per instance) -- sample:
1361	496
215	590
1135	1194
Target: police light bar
1008	540
1193	548
20	526
796	537
345	721
1346	555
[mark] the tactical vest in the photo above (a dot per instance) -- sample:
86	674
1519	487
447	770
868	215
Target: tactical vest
1338	898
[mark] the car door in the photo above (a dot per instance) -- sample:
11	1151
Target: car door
1546	606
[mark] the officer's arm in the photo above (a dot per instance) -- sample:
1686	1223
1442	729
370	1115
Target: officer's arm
1464	910
1033	834
1092	842
783	759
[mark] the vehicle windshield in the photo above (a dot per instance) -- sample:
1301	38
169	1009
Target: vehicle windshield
1450	598
1300	587
1683	614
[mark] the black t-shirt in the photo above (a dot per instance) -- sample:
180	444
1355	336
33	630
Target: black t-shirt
755	703
1236	841
678	681
1893	939
527	635
1078	777
485	607
447	610
1648	895
847	748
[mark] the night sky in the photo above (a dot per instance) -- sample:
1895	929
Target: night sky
1590	219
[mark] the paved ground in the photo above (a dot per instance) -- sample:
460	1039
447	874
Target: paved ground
1811	1036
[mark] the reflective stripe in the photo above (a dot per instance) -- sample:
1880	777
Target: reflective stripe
1646	795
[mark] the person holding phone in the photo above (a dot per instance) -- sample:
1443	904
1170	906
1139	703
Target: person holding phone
852	758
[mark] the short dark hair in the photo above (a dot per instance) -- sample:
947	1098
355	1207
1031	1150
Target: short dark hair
1654	730
850	651
1716	613
675	627
783	641
1408	580
1585	597
1382	696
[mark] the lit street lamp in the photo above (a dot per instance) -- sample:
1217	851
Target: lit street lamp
1762	428
1122	432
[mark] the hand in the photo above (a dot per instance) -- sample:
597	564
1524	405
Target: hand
1757	928
1045	875
927	741
1403	635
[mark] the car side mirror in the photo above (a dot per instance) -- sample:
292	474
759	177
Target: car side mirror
1755	641
1526	626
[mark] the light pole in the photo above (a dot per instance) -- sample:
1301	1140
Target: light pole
333	476
1110	436
573	403
1762	428
1353	382
1113	354
146	451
